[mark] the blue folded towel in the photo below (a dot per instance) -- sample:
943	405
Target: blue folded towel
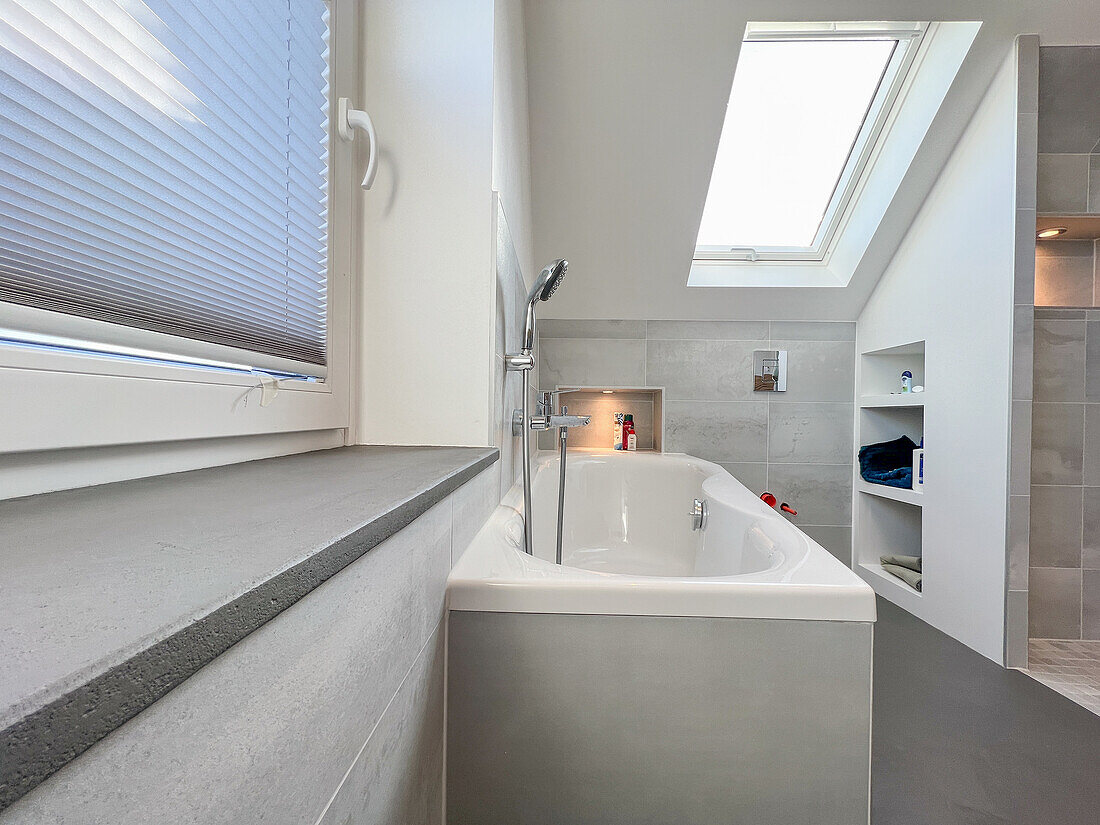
889	463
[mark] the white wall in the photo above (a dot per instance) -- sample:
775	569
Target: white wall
951	284
427	278
511	133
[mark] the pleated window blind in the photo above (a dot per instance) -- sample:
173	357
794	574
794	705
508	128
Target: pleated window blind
164	167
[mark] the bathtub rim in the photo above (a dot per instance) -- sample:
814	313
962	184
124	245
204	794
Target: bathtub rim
492	575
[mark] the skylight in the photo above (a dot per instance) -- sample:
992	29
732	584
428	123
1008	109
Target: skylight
805	109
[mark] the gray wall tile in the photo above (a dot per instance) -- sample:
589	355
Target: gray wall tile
398	776
567	328
1023	264
591	362
727	431
472	504
1054	603
821	493
1094	183
1019	529
1091	463
705	368
1090	541
1056	526
1057	443
813	331
753	476
810	433
701	370
1059	360
1016	629
1019	466
1090	604
1069	80
837	540
1027	90
1023	351
1062	182
1092	361
818	371
1062	313
708	330
1027	151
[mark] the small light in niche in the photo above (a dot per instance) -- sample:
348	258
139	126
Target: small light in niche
608	392
1053	232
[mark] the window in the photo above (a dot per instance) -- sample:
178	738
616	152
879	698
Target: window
806	107
164	179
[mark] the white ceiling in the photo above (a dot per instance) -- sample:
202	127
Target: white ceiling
627	99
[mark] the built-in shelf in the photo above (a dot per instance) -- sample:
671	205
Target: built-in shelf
601	403
901	399
902	494
888	520
879	578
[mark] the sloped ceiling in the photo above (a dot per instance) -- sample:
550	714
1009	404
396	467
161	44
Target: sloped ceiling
626	103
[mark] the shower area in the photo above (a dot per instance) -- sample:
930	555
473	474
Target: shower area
1063	575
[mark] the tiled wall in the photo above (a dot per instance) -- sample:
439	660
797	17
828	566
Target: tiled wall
1064	574
330	713
797	444
1069	183
1068	180
1023	316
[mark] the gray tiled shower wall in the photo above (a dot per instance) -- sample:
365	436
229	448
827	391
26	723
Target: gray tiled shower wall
1064	566
797	444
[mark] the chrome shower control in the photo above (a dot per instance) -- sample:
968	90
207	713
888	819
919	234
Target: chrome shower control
699	515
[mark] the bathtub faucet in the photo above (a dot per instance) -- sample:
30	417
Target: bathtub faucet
546	420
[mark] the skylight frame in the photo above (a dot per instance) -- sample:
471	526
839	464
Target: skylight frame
908	37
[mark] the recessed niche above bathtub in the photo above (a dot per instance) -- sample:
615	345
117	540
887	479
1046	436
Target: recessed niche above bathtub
601	403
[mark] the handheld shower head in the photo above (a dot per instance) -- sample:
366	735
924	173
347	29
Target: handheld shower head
548	281
546	285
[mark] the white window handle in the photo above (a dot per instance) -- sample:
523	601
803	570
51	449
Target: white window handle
348	119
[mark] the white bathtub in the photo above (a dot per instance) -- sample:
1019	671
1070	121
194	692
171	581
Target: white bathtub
629	548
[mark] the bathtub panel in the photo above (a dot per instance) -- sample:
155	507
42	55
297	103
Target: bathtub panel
640	719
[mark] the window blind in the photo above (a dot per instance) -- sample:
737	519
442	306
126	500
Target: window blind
164	167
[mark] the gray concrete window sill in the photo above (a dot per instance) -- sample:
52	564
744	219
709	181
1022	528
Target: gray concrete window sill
113	595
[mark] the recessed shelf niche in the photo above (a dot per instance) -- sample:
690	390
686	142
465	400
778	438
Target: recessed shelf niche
888	520
644	403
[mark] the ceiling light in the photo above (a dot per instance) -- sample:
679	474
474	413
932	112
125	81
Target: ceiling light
1052	232
608	392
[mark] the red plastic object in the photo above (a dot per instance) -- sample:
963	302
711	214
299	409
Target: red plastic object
768	499
786	508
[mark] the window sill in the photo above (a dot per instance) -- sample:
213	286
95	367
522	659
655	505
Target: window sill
114	595
762	274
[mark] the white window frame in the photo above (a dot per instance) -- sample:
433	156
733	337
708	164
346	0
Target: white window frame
57	400
909	37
